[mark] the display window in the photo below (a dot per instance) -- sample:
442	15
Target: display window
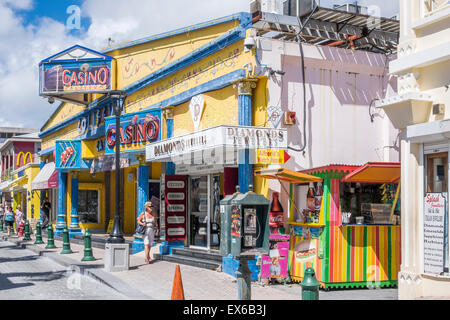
366	203
88	206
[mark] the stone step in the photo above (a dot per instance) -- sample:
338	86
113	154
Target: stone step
195	253
191	261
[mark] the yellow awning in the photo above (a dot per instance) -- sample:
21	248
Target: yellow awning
376	172
287	175
19	181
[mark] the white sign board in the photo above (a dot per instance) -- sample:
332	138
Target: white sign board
238	137
433	221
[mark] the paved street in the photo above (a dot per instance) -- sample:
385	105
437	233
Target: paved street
24	275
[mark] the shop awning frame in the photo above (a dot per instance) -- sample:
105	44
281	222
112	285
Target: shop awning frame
287	175
376	172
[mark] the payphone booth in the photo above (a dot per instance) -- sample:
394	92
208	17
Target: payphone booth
249	231
249	227
225	222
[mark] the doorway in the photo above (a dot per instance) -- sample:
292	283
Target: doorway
199	211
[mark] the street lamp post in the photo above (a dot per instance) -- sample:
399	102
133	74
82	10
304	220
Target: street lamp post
116	235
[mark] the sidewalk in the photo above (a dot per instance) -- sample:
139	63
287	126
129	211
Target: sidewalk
155	280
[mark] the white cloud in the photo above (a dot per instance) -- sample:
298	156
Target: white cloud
23	45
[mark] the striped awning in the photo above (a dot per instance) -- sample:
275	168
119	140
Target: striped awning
47	178
287	175
376	172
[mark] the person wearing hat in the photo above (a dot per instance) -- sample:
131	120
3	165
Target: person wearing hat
148	220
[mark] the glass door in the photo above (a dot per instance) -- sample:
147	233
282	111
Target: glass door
199	211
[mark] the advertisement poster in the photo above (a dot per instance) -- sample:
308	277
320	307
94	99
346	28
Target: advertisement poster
435	205
235	221
275	264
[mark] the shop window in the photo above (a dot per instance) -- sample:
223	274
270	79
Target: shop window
365	203
436	172
88	206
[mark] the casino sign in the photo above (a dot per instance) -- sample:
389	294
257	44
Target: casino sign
136	130
73	73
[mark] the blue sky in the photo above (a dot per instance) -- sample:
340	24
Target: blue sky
31	30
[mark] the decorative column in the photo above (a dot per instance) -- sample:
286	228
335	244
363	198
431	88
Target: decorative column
74	228
143	176
61	220
245	168
168	113
42	194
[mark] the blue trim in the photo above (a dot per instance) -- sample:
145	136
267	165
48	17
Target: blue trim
245	169
49	59
191	58
92	108
245	20
212	85
230	37
47	151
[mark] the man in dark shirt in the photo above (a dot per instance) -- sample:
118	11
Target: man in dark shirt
45	210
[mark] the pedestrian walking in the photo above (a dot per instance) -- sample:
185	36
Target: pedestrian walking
148	220
45	210
2	211
20	222
8	219
19	218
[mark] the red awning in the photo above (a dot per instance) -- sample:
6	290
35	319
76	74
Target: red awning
47	178
376	172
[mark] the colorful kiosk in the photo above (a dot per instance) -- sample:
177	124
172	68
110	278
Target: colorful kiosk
353	240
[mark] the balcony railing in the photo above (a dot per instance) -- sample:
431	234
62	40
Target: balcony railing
430	7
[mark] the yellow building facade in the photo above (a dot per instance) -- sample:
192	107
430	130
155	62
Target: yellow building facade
185	81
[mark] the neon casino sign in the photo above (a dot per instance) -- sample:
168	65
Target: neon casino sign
135	131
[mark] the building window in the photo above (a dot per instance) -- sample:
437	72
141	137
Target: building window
88	206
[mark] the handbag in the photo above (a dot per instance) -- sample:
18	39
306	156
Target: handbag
141	229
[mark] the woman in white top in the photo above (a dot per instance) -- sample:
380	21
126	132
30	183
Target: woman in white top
147	219
18	217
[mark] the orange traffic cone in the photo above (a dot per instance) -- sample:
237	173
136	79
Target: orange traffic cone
177	289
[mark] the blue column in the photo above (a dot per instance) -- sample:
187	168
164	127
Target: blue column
245	168
42	196
143	196
74	228
170	166
61	221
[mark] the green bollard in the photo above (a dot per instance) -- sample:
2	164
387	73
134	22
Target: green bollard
50	240
66	244
27	231
1	223
310	285
87	247
38	234
4	228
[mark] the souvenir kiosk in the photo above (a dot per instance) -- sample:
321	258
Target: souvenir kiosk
351	237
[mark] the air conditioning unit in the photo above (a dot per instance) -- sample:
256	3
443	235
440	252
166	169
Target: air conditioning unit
298	7
350	7
271	6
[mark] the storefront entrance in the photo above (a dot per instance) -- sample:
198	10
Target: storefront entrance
204	191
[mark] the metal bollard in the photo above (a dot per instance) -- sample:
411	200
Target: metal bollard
310	285
27	231
1	223
66	244
87	247
38	234
243	275
50	240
